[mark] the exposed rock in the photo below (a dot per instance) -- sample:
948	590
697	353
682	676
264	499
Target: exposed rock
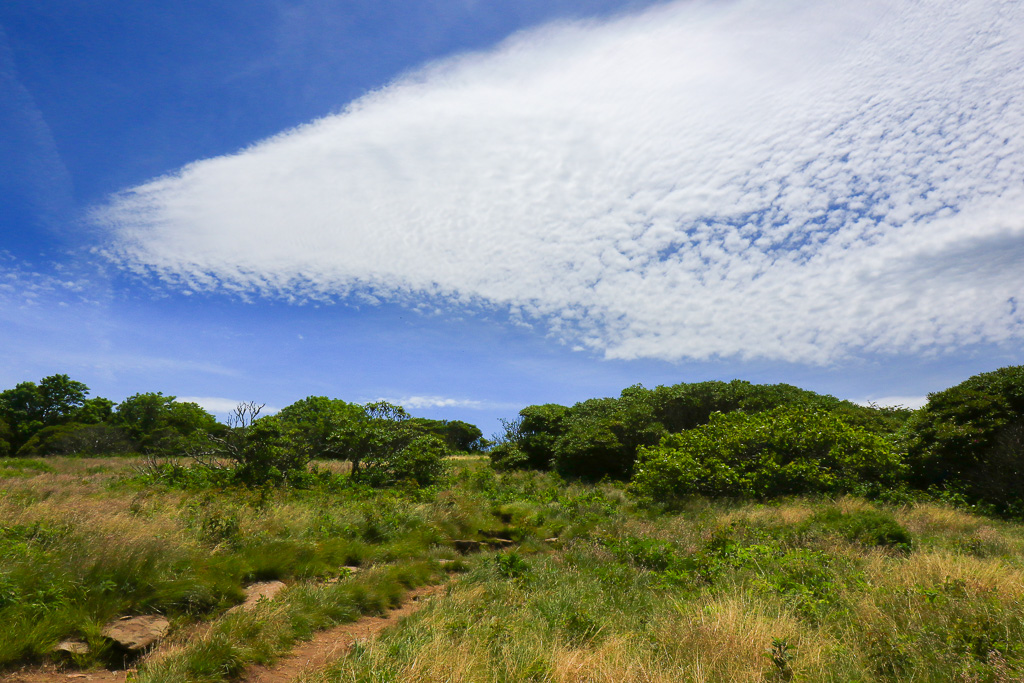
72	647
264	590
137	633
500	543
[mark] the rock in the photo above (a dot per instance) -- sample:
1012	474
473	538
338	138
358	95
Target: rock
500	543
72	647
137	633
264	590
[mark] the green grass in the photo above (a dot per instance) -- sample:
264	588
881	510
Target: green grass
808	589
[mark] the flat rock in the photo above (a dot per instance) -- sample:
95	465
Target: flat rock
137	633
72	647
500	543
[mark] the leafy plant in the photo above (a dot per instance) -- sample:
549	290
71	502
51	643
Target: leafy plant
970	438
784	451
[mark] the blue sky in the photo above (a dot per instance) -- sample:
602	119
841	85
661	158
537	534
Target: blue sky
471	206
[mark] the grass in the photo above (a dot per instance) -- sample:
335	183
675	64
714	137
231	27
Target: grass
805	589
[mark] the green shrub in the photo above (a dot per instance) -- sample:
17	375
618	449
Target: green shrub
421	462
78	439
970	438
783	451
869	528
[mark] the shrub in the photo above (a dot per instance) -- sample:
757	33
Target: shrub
78	439
788	450
421	462
970	438
869	528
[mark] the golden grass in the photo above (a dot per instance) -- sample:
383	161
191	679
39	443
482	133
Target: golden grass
980	577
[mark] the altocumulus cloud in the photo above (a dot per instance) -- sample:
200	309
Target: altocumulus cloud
788	180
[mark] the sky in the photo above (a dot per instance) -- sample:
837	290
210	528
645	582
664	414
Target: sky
468	207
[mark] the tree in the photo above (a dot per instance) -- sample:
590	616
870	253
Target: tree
158	422
29	407
253	448
5	438
311	425
784	451
970	438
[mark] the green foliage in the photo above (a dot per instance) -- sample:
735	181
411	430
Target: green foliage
869	528
600	437
783	451
160	424
255	447
420	462
458	436
78	439
6	435
970	438
29	407
312	425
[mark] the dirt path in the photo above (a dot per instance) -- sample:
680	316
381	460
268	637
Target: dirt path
327	646
52	675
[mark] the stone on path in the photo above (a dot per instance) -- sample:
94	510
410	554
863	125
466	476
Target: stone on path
137	633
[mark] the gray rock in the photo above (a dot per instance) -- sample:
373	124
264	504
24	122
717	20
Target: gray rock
72	647
137	633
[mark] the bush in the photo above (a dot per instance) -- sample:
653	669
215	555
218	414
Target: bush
970	438
869	528
78	439
600	437
421	462
785	451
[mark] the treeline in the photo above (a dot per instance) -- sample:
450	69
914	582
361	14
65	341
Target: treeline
739	439
57	417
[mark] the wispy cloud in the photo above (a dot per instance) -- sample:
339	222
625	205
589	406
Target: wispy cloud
422	402
913	402
793	180
221	406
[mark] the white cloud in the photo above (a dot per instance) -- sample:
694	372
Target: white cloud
421	402
792	180
221	406
913	402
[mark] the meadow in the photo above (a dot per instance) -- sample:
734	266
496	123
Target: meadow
595	586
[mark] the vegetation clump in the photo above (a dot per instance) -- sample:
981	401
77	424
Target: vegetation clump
784	451
969	439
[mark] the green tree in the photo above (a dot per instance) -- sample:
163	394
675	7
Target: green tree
312	425
970	438
95	411
160	423
253	450
29	407
6	435
784	451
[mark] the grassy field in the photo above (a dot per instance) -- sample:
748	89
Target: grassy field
594	589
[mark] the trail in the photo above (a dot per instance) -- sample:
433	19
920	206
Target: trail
327	646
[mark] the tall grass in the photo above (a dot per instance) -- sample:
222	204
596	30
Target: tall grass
808	589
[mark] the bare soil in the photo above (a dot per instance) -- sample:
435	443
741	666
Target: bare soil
325	647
